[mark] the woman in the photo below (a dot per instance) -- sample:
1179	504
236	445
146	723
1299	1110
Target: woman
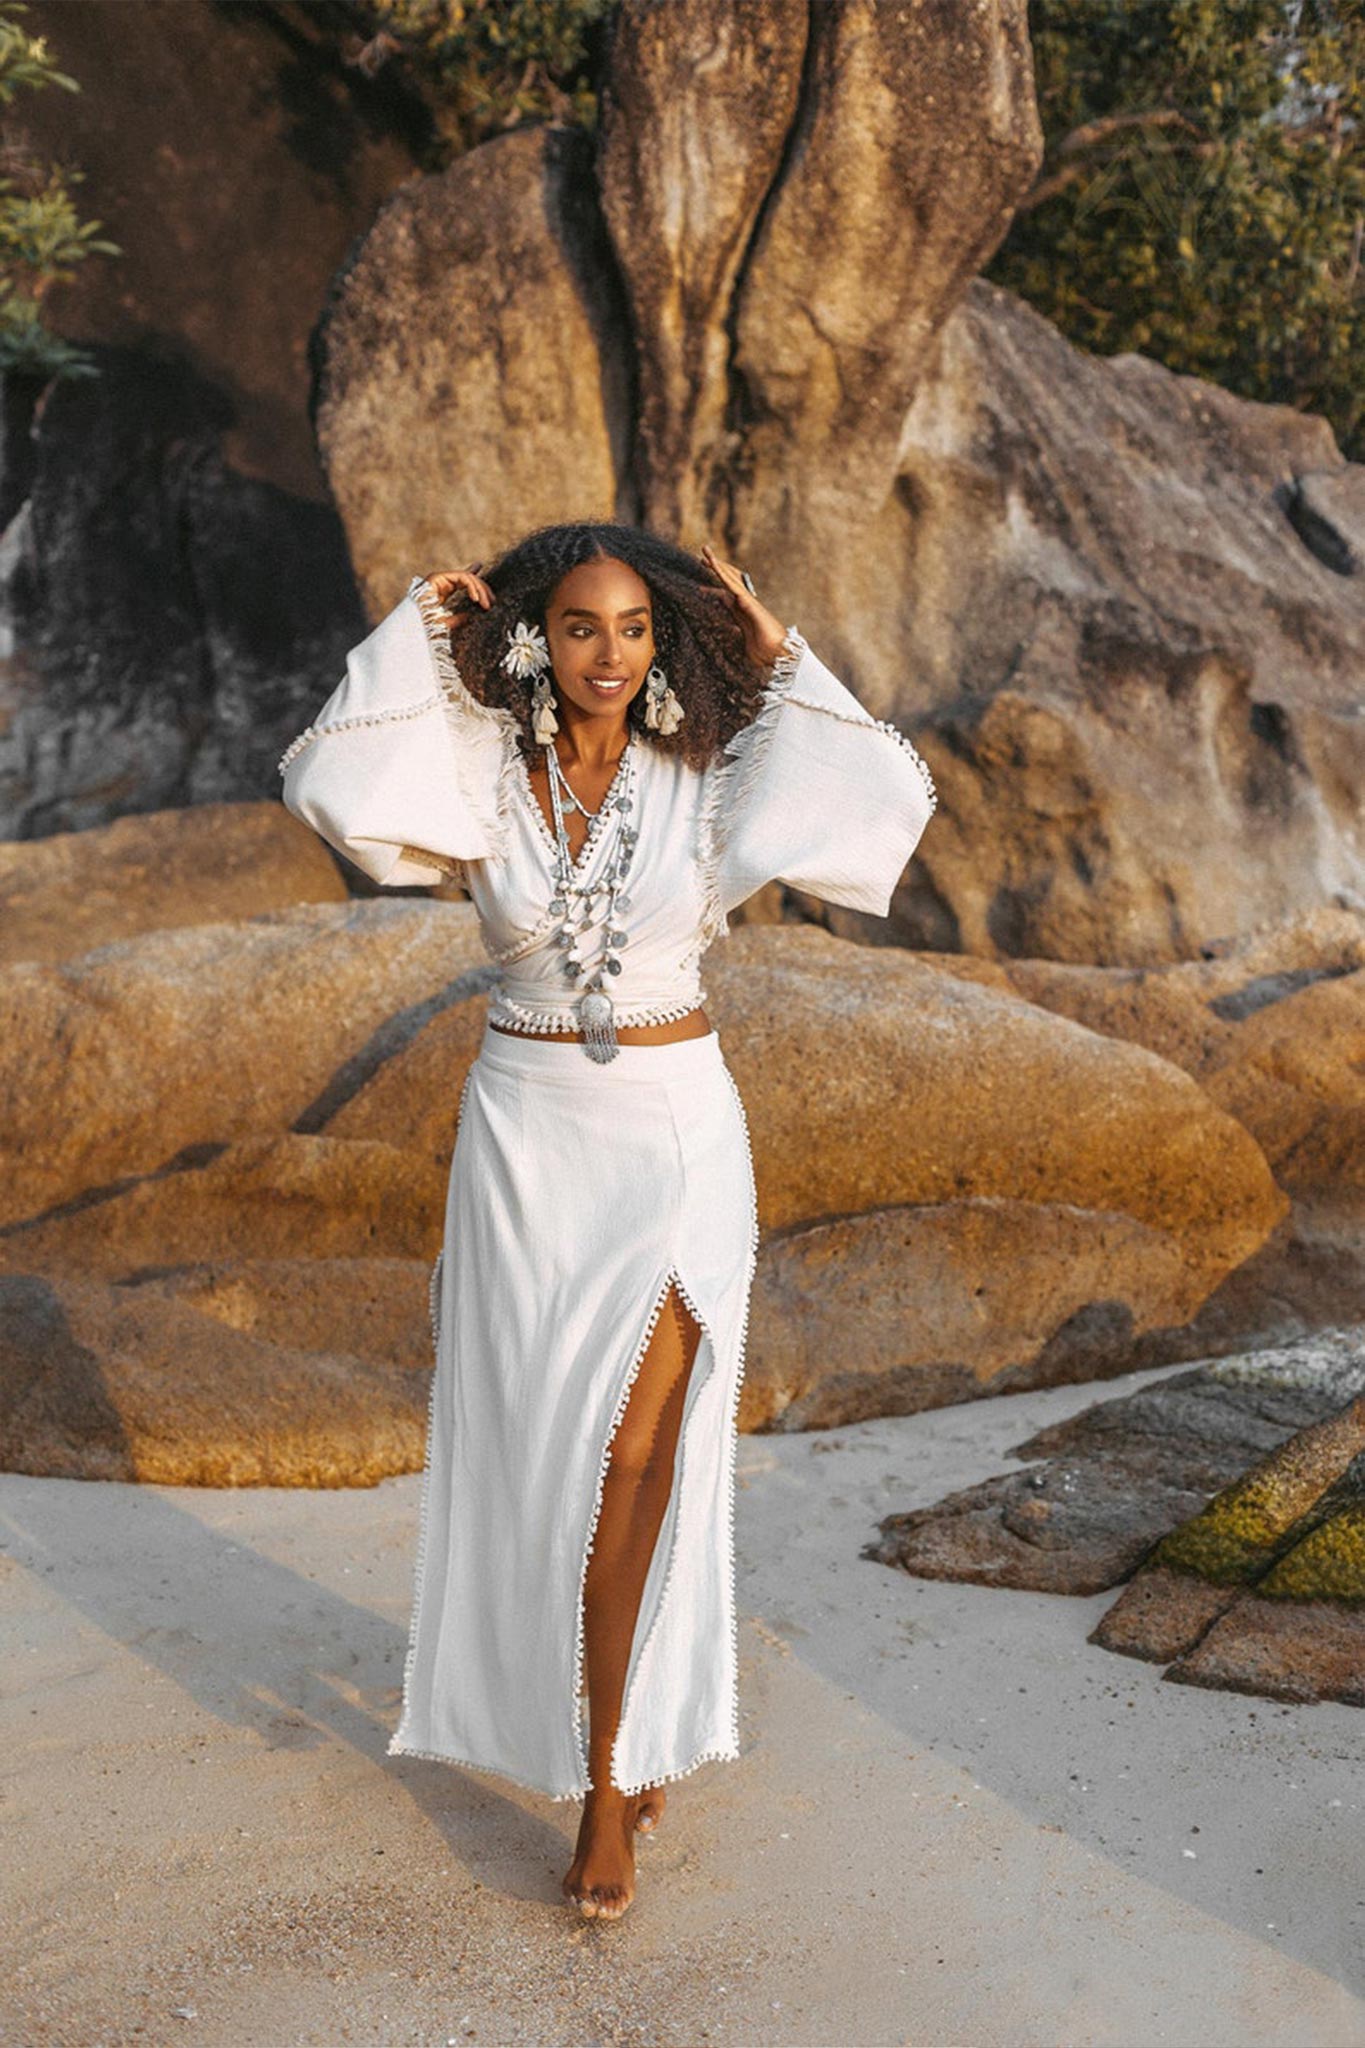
611	743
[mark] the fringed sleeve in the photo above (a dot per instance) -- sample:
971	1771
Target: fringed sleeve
403	770
814	792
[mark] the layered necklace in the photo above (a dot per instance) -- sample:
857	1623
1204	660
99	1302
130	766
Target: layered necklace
579	903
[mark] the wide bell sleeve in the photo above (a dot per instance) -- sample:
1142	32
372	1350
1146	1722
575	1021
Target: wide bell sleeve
403	770
813	792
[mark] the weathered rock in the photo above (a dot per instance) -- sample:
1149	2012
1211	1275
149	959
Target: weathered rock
1122	1474
1264	1589
119	1060
233	156
900	1309
1250	1523
1135	679
154	870
916	136
990	1097
1301	1650
376	1308
1160	1613
1300	1635
473	363
103	1383
156	662
293	1197
695	113
1272	1027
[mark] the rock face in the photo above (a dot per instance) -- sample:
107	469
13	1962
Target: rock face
1272	1026
1264	1590
1112	1481
1133	664
98	1383
154	871
693	123
474	374
123	1059
1260	1588
760	165
917	135
155	661
233	156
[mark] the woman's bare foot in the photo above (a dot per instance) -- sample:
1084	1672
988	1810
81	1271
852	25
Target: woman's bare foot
601	1879
652	1802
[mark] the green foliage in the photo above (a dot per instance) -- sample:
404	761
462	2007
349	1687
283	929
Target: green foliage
488	64
41	238
1203	194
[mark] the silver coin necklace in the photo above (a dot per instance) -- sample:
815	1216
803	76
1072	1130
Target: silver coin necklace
579	904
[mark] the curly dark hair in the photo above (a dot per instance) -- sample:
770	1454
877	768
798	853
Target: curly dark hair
699	641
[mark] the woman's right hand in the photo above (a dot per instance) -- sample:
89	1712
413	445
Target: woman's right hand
446	583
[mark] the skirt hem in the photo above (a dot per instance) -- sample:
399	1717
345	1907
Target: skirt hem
730	1753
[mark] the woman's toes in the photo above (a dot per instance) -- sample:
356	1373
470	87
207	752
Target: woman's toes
650	1812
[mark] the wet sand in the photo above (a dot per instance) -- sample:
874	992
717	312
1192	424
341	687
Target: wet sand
954	1822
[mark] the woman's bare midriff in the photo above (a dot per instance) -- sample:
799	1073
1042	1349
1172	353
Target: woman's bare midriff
696	1024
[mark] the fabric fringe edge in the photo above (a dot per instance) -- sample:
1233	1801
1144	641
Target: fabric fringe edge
314	732
518	1017
465	707
395	1747
732	779
729	1751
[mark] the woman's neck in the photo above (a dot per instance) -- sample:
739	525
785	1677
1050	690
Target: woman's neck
585	741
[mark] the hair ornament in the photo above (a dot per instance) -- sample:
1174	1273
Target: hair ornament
527	653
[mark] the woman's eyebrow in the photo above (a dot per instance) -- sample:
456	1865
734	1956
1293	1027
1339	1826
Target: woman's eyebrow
578	611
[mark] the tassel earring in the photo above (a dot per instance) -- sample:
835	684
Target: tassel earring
528	656
663	712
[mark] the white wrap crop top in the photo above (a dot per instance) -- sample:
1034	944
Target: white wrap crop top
409	776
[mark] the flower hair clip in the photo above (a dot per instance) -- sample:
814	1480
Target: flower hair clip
528	659
527	653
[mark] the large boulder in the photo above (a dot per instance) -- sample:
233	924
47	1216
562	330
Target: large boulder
959	1191
1272	1026
1104	1486
1131	659
696	111
473	367
871	1079
916	137
99	1382
297	1196
150	871
123	1058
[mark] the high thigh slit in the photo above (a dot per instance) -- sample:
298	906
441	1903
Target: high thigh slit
582	1199
642	1463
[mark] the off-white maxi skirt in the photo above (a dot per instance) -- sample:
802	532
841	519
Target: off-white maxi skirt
578	1194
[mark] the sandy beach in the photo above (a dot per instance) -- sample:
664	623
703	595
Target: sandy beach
954	1822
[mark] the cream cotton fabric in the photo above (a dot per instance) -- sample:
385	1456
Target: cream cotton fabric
579	1193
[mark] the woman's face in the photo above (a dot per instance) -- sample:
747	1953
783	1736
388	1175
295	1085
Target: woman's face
600	631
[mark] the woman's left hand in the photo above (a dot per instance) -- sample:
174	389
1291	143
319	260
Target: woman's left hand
764	635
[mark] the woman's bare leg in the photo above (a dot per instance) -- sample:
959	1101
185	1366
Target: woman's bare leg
635	1493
